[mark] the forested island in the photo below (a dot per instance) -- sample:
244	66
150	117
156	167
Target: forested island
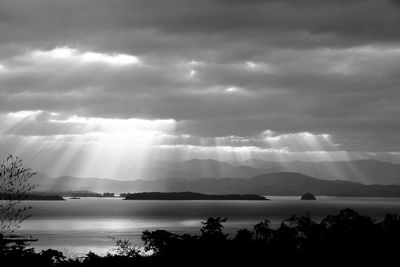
308	196
79	194
189	196
30	197
42	197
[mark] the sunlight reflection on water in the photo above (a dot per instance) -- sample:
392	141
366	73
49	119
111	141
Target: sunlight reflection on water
82	225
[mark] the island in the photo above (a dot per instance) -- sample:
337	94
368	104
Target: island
108	194
30	197
79	194
42	197
189	196
308	196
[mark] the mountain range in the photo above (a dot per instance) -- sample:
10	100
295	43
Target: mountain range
360	171
370	178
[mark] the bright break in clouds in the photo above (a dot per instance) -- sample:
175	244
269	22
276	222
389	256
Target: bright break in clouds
121	83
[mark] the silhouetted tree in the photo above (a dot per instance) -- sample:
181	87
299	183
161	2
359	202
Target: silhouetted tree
125	248
160	242
338	239
263	232
212	229
285	238
14	184
244	236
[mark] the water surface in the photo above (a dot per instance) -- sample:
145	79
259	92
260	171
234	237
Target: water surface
77	226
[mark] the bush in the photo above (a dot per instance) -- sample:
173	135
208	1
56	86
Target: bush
14	186
347	237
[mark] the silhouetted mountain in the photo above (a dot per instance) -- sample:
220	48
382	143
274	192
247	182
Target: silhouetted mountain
212	168
162	171
284	183
362	171
259	163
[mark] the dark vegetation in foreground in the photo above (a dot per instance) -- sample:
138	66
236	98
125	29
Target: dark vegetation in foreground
189	196
347	237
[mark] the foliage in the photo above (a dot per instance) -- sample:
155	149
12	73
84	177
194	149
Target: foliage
347	236
125	248
14	186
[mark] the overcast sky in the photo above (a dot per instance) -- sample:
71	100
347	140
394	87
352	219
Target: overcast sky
275	76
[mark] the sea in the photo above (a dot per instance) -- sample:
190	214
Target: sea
77	226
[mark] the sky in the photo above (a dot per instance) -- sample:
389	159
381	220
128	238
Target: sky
91	87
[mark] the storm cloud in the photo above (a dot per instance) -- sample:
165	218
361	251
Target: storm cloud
261	74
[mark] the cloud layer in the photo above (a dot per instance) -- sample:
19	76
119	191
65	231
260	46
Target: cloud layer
257	74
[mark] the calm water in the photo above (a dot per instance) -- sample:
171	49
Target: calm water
78	226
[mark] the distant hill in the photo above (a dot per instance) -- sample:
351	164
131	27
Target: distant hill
362	171
281	183
212	168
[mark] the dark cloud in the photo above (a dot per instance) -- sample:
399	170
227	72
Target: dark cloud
88	22
218	67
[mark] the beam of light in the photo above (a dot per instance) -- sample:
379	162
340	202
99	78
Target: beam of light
224	153
282	156
318	145
131	148
14	121
85	146
120	144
